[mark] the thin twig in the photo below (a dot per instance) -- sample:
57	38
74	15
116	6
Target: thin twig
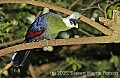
74	3
32	71
104	10
90	5
38	14
107	6
5	68
90	35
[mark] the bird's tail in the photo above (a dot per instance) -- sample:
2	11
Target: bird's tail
19	58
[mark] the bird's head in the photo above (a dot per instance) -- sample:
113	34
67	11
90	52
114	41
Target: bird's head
71	21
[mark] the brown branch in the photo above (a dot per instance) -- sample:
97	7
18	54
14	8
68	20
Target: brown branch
96	25
74	3
58	42
5	68
106	22
11	42
108	5
104	10
63	10
89	6
90	35
31	71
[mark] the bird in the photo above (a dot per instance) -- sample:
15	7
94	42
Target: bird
46	26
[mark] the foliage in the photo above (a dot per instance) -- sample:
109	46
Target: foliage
15	20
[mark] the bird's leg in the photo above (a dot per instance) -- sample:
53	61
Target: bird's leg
54	41
46	42
16	72
52	38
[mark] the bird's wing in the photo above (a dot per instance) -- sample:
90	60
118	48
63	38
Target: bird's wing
35	33
35	29
38	26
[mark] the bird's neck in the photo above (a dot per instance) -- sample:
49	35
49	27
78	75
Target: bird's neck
66	21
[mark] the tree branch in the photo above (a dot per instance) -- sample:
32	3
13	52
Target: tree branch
58	42
74	3
6	68
63	10
12	42
86	33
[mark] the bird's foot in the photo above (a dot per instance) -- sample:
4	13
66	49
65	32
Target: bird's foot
46	42
49	48
16	70
54	42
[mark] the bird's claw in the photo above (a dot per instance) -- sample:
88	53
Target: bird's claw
54	42
46	42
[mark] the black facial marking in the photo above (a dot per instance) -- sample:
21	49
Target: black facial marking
72	21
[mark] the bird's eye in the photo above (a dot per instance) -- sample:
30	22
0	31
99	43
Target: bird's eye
72	21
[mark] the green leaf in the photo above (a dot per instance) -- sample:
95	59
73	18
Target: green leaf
103	65
9	28
109	13
78	65
115	60
1	39
67	59
74	67
23	5
5	73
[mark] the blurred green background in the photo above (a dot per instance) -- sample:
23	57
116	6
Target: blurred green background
64	60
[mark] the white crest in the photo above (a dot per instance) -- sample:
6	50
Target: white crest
74	15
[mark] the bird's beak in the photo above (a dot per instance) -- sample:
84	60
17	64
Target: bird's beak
76	26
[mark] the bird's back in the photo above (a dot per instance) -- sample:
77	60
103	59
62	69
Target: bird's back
55	25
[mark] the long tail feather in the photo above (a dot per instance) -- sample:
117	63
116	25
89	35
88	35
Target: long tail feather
19	58
25	57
